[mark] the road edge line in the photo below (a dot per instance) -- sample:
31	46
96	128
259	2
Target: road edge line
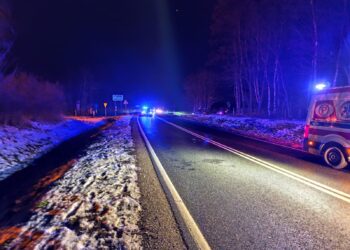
190	223
302	179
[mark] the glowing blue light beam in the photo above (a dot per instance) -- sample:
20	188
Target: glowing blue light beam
321	85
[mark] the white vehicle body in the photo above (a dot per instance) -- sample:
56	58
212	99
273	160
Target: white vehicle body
327	130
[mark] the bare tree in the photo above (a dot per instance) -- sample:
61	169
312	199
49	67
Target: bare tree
87	92
7	34
200	90
268	53
341	41
314	41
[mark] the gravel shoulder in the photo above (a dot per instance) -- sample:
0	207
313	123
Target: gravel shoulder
158	226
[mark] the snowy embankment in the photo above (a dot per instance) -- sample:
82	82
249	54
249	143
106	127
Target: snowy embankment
19	146
283	132
95	205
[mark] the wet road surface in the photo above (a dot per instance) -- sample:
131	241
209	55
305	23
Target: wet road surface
240	204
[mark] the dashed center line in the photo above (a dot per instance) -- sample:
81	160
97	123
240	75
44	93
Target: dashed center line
302	179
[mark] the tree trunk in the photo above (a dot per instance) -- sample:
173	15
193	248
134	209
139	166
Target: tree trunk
315	41
341	40
274	108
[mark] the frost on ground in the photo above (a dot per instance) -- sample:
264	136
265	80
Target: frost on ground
96	203
284	132
20	146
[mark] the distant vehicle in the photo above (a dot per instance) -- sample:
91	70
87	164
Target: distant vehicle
327	130
146	111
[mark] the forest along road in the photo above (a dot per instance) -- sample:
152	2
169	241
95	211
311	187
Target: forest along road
244	193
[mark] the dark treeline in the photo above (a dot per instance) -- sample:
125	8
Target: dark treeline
23	96
268	54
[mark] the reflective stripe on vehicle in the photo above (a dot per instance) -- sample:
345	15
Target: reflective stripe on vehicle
324	132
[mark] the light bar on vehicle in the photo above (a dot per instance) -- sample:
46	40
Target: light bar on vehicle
321	85
306	131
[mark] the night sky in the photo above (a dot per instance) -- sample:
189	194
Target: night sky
141	48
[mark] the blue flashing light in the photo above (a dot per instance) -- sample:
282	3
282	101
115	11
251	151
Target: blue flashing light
144	107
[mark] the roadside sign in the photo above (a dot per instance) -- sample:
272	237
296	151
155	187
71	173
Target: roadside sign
117	98
105	105
125	104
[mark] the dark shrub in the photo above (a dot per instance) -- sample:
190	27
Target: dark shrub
23	97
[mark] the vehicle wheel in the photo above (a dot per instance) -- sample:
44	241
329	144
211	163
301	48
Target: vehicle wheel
335	158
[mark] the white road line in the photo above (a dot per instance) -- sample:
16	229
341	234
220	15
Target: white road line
187	217
311	183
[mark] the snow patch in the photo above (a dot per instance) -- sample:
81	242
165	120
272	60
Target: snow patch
284	132
20	146
96	203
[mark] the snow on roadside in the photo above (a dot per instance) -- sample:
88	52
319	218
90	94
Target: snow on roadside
284	132
96	203
20	146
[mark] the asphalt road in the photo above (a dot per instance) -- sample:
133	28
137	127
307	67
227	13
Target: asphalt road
158	227
239	204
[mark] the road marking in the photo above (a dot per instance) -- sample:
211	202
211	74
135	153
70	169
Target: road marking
187	217
311	183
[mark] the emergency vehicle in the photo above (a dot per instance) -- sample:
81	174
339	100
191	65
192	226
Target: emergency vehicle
327	130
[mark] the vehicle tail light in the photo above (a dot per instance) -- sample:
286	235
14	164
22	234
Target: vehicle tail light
348	151
306	131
